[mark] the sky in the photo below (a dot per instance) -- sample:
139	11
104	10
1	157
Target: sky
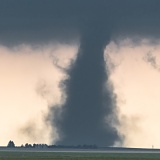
80	72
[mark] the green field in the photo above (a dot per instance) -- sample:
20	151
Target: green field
9	155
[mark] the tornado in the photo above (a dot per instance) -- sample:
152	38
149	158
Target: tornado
88	105
80	72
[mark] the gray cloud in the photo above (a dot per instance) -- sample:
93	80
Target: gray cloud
151	59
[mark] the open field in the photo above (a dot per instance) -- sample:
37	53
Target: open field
49	155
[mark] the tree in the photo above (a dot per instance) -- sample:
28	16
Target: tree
11	144
28	145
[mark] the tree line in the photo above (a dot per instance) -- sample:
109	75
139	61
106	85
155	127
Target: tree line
11	144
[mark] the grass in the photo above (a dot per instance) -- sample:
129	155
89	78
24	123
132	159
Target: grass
16	155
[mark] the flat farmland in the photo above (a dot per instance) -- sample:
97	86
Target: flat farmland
74	155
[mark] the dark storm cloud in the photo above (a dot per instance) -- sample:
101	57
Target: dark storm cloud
95	22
